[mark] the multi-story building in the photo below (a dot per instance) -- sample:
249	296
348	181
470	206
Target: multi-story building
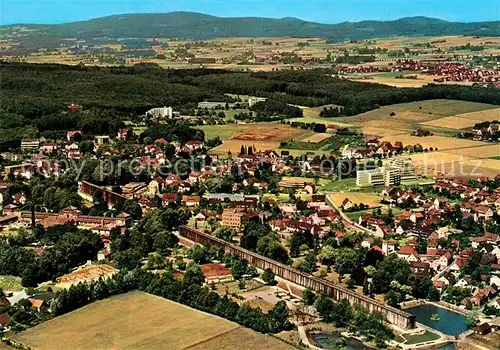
392	176
408	172
30	144
161	113
252	100
367	178
234	217
378	177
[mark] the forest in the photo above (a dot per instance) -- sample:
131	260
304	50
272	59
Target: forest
34	98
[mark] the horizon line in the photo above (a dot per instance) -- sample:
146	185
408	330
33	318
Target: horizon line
229	17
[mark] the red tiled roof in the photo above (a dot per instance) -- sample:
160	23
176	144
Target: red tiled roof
407	250
4	319
215	270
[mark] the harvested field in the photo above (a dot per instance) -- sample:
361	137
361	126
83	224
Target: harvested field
455	122
316	138
381	132
450	164
139	320
268	132
433	109
371	200
489	114
85	274
395	82
466	120
487	151
241	338
441	142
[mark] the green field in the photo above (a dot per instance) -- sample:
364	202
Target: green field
10	283
223	131
138	320
409	339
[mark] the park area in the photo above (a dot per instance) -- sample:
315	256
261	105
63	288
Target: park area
138	320
411	339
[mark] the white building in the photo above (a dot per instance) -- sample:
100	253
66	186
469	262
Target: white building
367	178
407	171
161	112
387	176
252	100
32	144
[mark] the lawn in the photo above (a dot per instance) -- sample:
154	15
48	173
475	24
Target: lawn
409	339
338	185
139	320
10	283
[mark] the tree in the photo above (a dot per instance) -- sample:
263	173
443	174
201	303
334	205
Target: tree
239	268
392	298
199	253
341	312
164	241
308	264
433	294
308	297
241	283
268	277
194	274
327	254
472	319
324	306
224	233
278	318
86	147
389	269
132	207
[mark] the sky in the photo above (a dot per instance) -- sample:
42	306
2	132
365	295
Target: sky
325	11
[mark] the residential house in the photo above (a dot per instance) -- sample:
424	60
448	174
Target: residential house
156	186
167	198
191	201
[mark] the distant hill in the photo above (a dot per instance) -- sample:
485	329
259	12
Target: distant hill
197	26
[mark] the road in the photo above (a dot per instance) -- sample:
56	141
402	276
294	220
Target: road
346	221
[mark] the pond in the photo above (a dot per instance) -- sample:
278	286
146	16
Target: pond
449	322
329	341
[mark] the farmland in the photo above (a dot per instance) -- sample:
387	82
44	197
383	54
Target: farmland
316	137
371	200
455	164
268	132
260	136
440	142
466	120
141	321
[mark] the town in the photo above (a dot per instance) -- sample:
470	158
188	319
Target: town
187	181
395	238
